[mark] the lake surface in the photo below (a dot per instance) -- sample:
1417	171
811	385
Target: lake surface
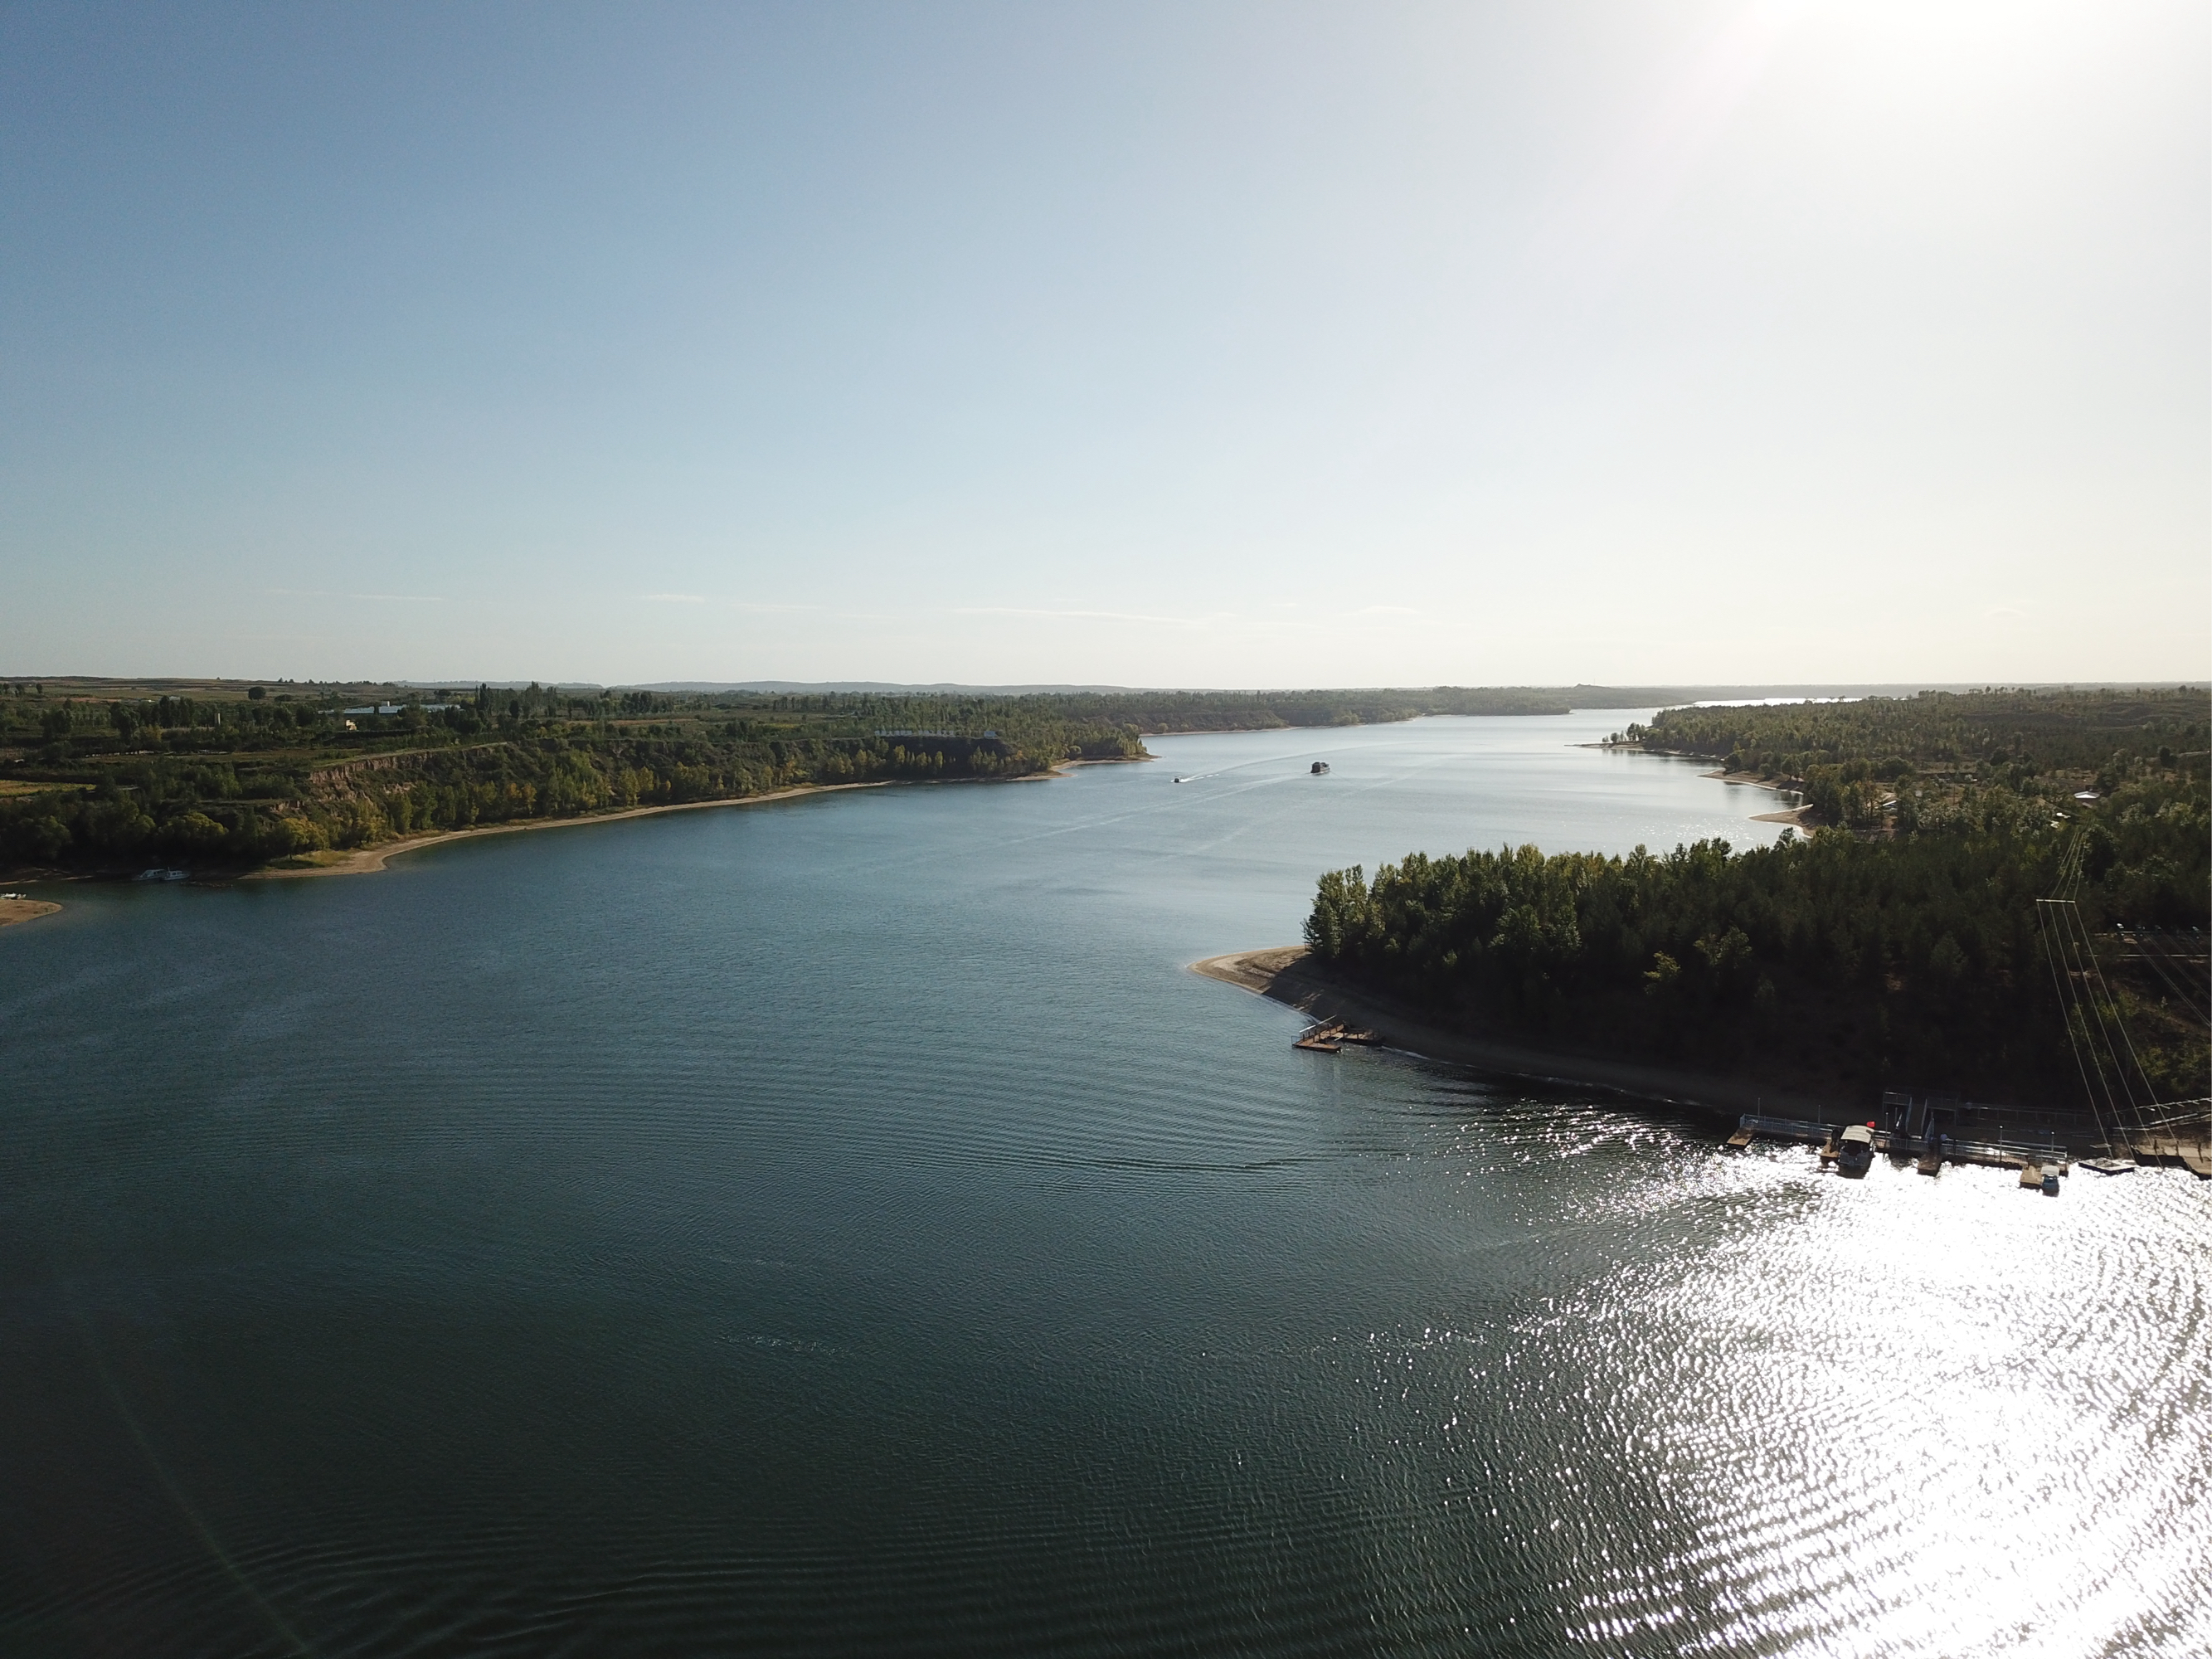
844	1225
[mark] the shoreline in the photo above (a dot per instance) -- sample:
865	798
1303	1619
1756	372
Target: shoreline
370	860
1794	816
1279	973
15	911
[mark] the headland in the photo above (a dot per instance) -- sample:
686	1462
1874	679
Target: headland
1286	974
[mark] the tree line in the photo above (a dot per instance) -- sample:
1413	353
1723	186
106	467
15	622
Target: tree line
97	781
248	808
1904	953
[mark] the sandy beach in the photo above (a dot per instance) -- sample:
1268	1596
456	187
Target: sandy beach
368	860
1282	973
13	911
1794	815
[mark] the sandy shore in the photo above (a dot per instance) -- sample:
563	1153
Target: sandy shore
17	909
370	859
1282	973
1794	815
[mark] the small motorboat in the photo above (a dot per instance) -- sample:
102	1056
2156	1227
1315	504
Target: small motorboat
2050	1181
1855	1150
1320	769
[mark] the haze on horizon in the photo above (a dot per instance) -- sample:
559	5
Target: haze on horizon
1221	345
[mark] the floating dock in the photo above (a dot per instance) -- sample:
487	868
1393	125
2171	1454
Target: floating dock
2030	1158
1932	1130
1330	1035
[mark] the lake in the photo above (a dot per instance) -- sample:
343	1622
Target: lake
844	1225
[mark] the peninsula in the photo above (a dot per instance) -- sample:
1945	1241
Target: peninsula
1289	974
2008	899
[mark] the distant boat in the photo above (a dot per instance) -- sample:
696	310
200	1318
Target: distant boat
1320	769
163	875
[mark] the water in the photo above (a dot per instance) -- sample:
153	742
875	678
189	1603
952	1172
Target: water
843	1225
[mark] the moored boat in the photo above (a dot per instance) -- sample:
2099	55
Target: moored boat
1855	1150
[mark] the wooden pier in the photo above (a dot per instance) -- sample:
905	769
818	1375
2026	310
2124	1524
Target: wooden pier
2030	1158
1329	1038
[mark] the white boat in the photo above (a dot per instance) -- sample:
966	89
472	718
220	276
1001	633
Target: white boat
1855	1150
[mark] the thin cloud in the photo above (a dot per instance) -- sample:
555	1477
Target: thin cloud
396	599
1083	616
750	607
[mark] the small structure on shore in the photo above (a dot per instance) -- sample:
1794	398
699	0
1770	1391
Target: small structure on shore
1329	1038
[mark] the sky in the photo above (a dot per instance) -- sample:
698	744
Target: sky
1269	345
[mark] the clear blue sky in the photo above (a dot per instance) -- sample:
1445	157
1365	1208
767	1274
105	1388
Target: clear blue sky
1188	343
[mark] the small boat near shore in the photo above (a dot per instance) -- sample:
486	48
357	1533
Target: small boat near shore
1855	1150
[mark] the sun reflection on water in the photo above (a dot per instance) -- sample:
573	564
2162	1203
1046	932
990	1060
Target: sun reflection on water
1896	1416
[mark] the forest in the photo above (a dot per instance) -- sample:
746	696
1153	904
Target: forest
225	782
111	776
1898	944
